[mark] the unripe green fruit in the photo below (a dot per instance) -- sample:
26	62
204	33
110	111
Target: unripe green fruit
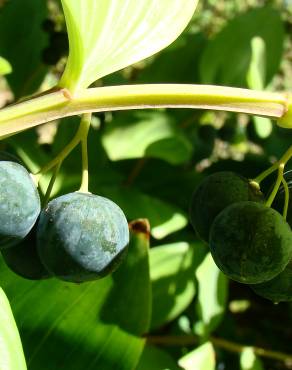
82	237
250	243
23	258
215	193
279	289
19	203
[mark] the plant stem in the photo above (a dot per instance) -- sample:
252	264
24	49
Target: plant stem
190	340
84	126
279	180
287	195
54	105
51	184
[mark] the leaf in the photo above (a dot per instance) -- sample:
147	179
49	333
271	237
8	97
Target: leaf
153	134
212	296
11	353
172	271
256	80
106	35
69	326
226	59
202	358
156	359
249	361
22	41
5	67
164	218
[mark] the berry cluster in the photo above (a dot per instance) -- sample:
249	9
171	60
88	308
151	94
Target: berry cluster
76	237
249	241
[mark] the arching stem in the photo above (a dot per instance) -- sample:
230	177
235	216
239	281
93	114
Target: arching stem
51	184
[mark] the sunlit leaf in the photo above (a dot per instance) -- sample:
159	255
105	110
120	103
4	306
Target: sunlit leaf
70	326
202	358
249	361
172	271
11	353
212	296
155	358
108	35
153	134
5	67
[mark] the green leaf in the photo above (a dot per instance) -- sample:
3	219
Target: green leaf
226	59
202	358
5	67
106	36
11	353
22	41
164	218
153	134
156	359
71	326
256	77
172	271
249	361
212	296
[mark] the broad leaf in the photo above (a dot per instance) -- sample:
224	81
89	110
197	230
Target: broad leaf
156	359
11	353
249	361
226	59
153	134
164	218
202	358
5	67
212	296
172	271
70	326
108	35
22	41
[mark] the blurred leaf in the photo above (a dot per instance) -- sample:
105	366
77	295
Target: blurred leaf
65	325
164	218
227	57
106	36
249	361
212	296
176	64
172	276
11	353
152	134
202	358
22	41
256	80
5	67
156	359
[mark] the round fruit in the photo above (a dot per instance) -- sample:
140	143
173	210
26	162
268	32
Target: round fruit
215	193
278	289
19	203
250	243
82	237
23	258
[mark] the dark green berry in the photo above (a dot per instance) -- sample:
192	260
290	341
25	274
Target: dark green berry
250	243
215	193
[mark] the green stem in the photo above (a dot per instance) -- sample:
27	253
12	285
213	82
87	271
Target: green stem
51	184
279	180
55	105
85	125
287	195
190	340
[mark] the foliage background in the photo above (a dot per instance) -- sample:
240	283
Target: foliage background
149	162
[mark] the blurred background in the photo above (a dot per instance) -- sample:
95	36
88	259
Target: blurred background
150	162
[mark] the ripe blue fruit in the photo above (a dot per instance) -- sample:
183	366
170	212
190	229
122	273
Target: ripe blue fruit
82	237
250	243
215	193
23	258
19	203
